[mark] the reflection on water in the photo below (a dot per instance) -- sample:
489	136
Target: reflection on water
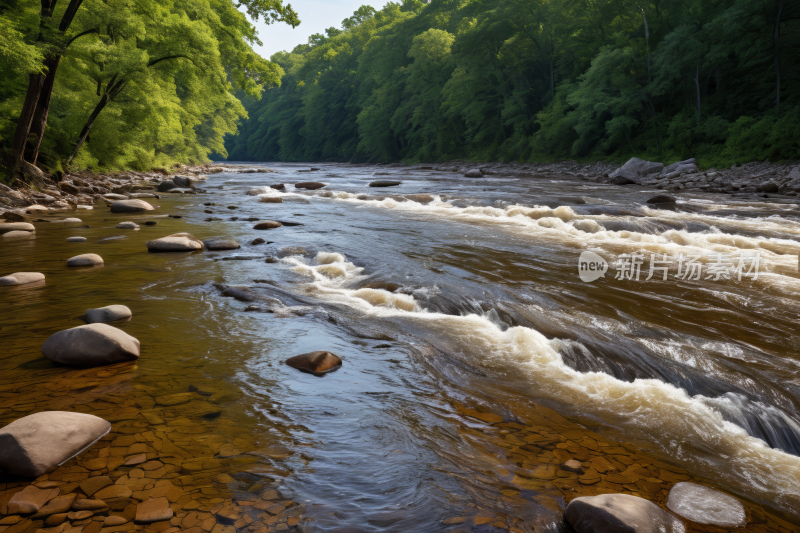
449	412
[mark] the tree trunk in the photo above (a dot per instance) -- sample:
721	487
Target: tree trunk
112	90
697	85
42	110
35	84
777	43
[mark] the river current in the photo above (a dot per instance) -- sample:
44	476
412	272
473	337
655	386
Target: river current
486	363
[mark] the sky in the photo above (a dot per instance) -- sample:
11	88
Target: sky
315	16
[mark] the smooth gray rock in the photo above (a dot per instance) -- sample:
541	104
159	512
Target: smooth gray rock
221	244
385	183
662	199
681	167
636	168
109	313
705	505
166	185
35	444
68	221
130	206
177	242
112	196
257	191
18	235
76	239
7	227
21	278
85	260
91	345
127	225
768	186
184	182
620	513
473	173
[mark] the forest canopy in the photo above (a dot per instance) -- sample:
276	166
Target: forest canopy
532	80
128	83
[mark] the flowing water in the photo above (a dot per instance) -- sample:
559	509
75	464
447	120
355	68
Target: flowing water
487	363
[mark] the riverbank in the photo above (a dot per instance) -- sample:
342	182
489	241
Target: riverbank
501	463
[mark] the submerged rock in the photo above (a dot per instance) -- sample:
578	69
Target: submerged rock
154	510
91	345
385	183
109	313
37	443
85	260
30	499
419	198
620	513
21	278
268	224
705	505
130	206
221	244
662	199
317	363
177	242
310	185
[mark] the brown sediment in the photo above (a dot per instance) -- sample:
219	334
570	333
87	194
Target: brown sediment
531	452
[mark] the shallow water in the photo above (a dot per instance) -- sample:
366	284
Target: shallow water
451	402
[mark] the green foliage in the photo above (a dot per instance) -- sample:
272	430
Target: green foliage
179	65
538	80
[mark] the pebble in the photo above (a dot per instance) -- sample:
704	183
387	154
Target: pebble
127	225
76	239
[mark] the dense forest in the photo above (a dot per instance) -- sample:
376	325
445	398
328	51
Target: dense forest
127	83
532	80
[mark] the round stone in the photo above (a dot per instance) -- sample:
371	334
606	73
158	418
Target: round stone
705	505
76	239
85	260
21	278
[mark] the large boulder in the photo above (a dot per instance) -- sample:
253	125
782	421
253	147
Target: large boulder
21	278
85	260
768	186
130	206
167	185
35	444
109	313
268	224
178	242
91	345
184	182
681	167
310	185
221	244
6	227
705	505
620	513
385	183
636	169
473	173
317	363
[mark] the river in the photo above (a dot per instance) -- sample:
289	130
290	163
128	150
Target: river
490	364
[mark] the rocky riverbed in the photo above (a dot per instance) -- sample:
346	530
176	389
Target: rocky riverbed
191	445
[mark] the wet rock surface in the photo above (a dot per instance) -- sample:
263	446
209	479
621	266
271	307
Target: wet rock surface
21	278
37	443
706	505
221	244
317	363
131	206
91	345
177	242
85	260
109	313
620	513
